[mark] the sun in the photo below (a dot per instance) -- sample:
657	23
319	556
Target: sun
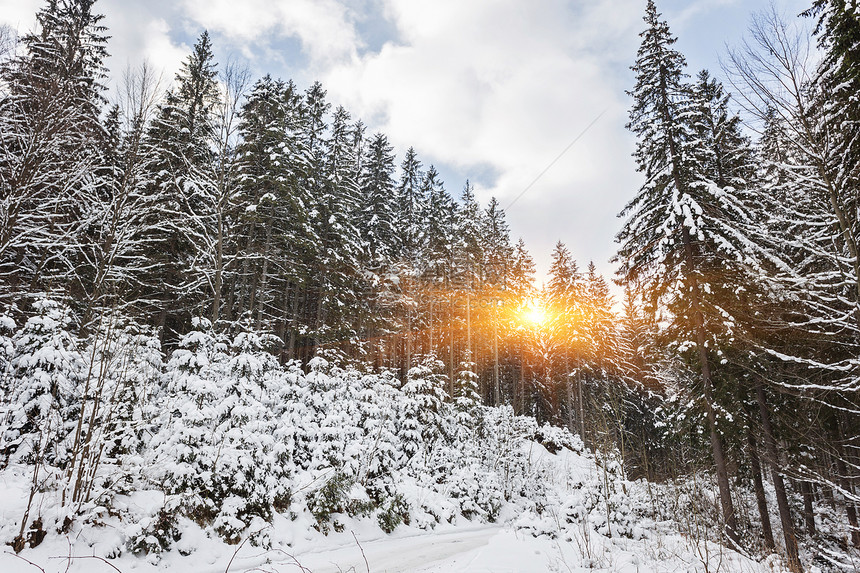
535	313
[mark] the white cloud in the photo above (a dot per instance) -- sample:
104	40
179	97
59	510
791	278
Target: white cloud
694	9
323	26
140	32
508	84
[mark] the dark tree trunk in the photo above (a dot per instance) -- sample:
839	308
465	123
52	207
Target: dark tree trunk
845	483
808	513
761	501
778	482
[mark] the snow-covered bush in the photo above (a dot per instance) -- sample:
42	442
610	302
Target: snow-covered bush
422	410
381	451
478	492
154	534
125	374
466	395
600	502
338	495
215	442
46	370
554	438
7	347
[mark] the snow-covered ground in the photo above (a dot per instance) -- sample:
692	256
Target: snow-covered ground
519	541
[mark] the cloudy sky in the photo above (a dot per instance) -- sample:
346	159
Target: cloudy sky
489	90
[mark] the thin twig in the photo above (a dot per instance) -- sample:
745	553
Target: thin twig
235	553
102	559
69	560
366	564
296	561
25	560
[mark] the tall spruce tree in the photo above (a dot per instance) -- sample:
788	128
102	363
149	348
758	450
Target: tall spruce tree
341	257
51	150
181	146
666	233
410	206
378	211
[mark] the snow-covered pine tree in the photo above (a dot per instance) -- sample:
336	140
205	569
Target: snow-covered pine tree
496	236
268	136
383	452
280	238
180	142
51	143
439	219
561	341
422	416
466	397
339	304
726	154
520	291
599	322
681	228
378	209
469	255
185	449
466	274
249	478
411	203
498	260
435	264
7	350
47	369
379	238
312	180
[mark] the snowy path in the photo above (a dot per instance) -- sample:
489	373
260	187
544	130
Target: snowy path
413	553
472	549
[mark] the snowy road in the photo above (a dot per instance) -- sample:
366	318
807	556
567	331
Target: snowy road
454	551
489	548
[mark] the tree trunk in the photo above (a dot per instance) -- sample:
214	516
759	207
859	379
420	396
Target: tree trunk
808	513
761	500
778	482
716	442
845	483
264	278
496	382
522	383
294	317
580	402
219	269
451	349
469	325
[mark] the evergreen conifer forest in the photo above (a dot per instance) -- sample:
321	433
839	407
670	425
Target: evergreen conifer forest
232	318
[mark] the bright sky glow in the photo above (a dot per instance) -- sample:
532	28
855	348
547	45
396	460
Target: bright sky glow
535	313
